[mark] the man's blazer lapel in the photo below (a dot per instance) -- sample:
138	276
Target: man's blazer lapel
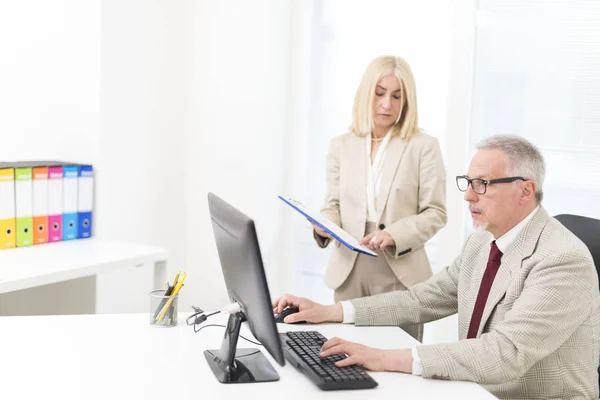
395	150
522	248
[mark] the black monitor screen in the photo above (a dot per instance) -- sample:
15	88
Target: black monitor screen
241	262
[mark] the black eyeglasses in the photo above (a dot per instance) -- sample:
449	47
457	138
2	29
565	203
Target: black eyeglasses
480	185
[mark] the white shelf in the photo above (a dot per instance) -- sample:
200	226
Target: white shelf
29	267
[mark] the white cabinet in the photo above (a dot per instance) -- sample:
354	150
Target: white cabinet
79	277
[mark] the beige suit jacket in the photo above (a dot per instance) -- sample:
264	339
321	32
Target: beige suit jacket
410	203
540	331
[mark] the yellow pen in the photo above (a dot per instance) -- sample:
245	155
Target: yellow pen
174	293
176	278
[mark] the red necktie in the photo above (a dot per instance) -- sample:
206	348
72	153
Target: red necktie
484	289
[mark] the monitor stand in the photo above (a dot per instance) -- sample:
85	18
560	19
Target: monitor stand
231	365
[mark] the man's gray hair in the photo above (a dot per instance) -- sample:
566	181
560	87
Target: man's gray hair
524	159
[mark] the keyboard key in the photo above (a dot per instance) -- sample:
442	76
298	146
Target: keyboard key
307	346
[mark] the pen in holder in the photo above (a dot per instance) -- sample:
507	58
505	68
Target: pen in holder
163	308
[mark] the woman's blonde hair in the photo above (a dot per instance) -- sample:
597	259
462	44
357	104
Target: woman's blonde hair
362	113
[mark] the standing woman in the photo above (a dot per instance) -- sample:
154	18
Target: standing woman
386	184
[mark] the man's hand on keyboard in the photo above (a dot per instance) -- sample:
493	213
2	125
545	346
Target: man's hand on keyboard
368	357
309	310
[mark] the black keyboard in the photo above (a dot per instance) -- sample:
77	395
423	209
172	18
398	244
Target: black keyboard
302	350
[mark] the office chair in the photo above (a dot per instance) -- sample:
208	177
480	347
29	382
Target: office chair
588	231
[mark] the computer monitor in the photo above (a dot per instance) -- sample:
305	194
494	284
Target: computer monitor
241	262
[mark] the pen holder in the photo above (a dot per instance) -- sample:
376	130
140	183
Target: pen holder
163	309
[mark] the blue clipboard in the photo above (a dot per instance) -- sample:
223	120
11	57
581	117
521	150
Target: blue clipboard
335	231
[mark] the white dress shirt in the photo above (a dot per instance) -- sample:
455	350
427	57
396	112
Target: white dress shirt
374	173
503	243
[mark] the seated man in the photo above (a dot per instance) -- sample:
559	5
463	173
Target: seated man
525	289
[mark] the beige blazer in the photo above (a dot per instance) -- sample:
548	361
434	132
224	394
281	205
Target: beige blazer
540	331
410	203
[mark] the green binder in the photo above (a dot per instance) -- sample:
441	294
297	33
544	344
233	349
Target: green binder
24	206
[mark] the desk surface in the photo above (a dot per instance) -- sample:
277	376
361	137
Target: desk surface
27	267
122	357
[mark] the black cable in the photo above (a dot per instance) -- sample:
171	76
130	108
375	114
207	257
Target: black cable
206	326
199	316
223	326
212	313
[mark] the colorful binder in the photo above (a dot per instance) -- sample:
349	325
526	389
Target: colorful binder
55	195
85	201
40	205
24	206
70	199
7	208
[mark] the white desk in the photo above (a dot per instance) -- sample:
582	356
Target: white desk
31	267
122	357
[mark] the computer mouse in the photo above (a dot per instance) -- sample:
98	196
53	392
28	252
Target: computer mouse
287	311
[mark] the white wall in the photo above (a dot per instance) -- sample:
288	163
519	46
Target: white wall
165	99
143	124
238	126
459	74
49	109
49	80
104	83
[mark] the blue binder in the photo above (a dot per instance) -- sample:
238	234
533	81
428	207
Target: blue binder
85	201
70	217
335	231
